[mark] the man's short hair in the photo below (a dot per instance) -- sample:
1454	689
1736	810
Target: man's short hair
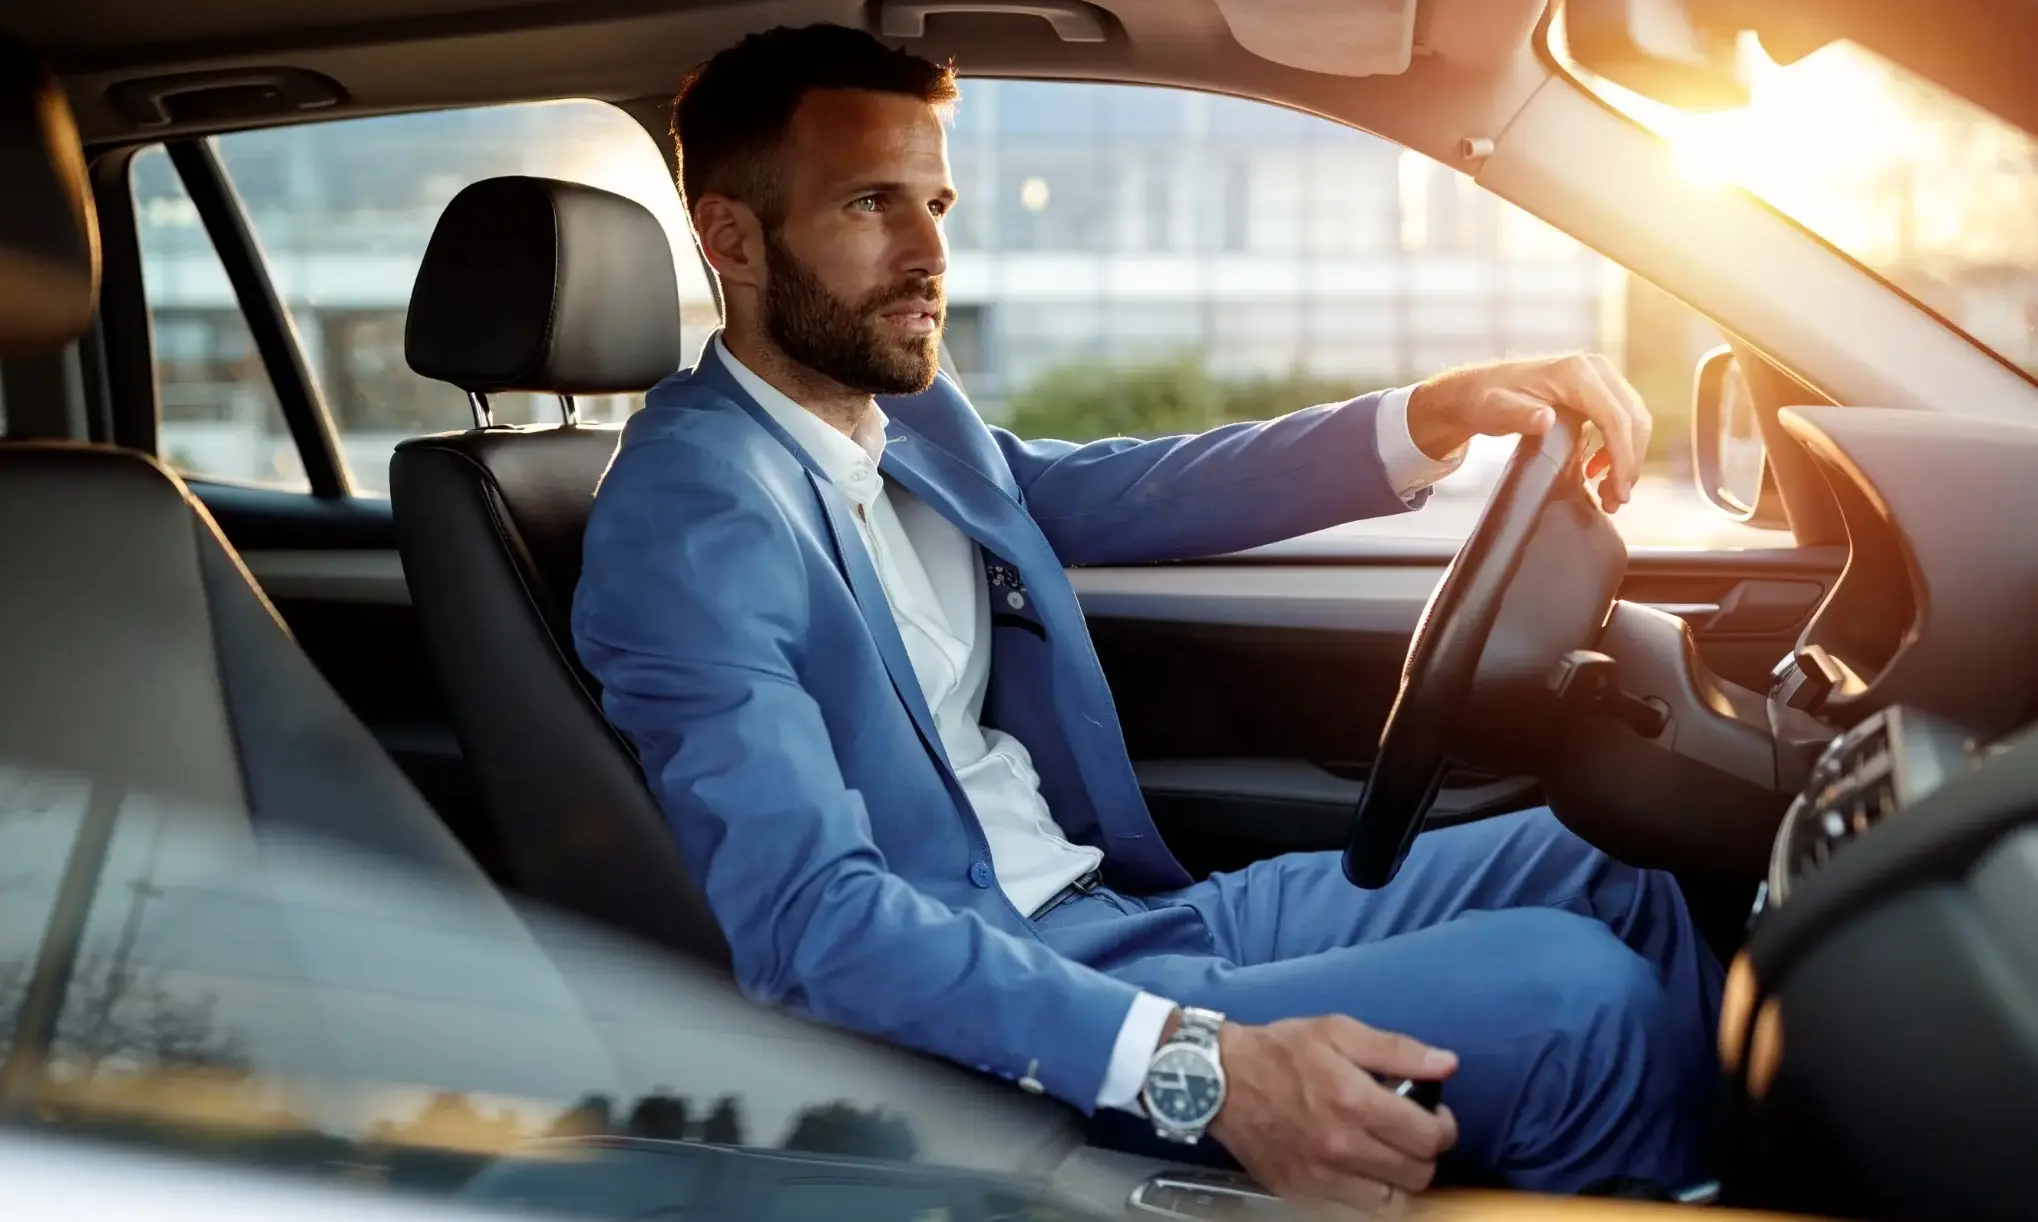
733	112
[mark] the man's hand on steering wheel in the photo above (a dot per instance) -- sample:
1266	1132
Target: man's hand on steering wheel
1517	397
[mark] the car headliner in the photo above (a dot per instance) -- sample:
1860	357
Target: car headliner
414	54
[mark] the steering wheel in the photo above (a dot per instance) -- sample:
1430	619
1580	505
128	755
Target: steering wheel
1443	658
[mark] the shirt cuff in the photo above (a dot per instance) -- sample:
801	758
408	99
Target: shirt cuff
1409	470
1138	1038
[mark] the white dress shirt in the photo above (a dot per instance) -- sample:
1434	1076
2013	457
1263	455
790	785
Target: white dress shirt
933	578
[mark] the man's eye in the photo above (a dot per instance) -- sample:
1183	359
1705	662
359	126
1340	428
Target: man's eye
869	203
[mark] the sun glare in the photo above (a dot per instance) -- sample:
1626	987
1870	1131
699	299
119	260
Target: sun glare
1815	140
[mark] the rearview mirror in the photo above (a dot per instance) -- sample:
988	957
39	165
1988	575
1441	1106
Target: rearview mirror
1661	49
1729	460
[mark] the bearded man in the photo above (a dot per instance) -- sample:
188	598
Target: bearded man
826	602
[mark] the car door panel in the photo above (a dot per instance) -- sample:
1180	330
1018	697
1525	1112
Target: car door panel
1252	693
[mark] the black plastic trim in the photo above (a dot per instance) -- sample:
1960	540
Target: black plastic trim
1814	516
267	318
130	414
259	519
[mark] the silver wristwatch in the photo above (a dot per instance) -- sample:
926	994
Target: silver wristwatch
1184	1088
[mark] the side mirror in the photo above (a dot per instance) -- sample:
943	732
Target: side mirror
1729	460
1666	50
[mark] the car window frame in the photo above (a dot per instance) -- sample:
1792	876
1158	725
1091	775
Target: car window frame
128	415
268	318
131	378
132	416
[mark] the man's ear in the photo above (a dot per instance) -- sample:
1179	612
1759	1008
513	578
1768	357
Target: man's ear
732	238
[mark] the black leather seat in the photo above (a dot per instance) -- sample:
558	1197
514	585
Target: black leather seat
137	655
557	288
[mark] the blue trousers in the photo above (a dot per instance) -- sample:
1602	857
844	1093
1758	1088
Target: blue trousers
1578	995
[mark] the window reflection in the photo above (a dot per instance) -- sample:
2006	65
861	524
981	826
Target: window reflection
242	993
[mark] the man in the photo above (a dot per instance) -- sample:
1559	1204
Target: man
841	638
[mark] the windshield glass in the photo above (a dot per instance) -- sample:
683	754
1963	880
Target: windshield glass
1934	194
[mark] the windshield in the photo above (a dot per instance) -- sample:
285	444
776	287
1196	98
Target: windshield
1936	195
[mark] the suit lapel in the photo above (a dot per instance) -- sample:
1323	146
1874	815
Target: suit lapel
861	573
979	508
1012	541
852	557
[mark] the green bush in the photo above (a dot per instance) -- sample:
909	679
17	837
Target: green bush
1091	399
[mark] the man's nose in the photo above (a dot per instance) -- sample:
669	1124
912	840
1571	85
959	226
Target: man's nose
923	246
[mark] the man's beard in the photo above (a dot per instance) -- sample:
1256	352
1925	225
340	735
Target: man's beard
841	340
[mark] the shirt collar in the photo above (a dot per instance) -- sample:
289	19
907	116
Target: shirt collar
851	463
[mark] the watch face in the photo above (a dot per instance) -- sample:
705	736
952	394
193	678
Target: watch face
1183	1088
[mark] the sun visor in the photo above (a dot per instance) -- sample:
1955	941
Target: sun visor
1350	38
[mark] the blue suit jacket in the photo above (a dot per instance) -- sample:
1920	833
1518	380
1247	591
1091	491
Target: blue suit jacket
743	644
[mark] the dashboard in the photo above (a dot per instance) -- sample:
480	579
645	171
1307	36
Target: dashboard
1927	645
1935	606
1893	956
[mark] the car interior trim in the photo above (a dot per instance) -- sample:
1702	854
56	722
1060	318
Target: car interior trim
297	392
331	576
1338	599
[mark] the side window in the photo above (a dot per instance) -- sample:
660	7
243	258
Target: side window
220	417
1140	261
343	212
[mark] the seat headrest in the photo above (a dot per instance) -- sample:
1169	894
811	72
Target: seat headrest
49	243
531	284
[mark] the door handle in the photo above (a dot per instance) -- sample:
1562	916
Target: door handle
1698	615
1750	607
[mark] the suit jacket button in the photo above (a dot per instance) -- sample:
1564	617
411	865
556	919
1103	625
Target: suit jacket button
981	874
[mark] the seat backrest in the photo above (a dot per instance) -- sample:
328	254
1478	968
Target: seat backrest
138	657
534	285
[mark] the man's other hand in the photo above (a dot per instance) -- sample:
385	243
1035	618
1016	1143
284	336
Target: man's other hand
1510	397
1305	1113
